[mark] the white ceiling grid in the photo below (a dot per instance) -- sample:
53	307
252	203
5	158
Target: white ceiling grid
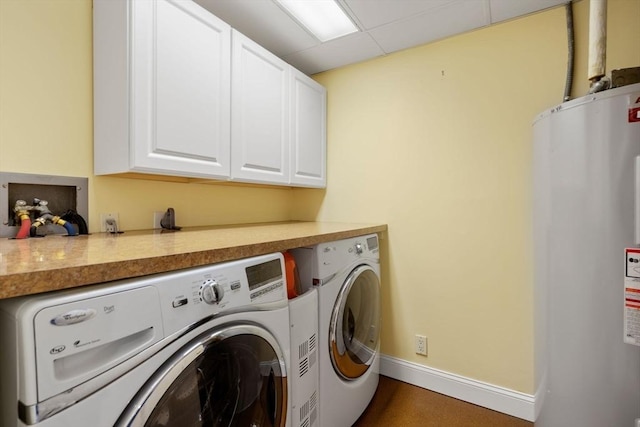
387	26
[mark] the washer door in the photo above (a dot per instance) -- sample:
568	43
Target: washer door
354	328
233	376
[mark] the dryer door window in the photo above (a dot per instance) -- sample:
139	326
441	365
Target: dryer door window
354	329
229	377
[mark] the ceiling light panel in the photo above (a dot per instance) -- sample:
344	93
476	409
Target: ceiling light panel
262	20
323	18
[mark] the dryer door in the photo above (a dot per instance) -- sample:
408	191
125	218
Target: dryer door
354	329
231	376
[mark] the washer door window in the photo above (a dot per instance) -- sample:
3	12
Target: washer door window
355	323
230	377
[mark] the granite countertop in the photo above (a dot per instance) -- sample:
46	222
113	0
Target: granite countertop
38	265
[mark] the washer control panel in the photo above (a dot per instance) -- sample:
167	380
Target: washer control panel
197	293
211	292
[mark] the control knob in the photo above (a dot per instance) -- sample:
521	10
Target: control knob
211	292
359	249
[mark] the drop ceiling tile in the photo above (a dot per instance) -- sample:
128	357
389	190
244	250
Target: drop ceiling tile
389	25
335	53
501	10
453	18
264	22
374	13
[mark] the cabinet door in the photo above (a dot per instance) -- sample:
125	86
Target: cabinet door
259	118
308	131
180	90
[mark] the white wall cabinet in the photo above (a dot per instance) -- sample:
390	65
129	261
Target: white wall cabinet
259	113
278	119
308	124
177	92
161	89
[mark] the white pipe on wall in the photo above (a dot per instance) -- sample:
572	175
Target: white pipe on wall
597	39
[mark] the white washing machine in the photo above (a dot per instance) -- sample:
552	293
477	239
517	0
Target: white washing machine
206	346
347	276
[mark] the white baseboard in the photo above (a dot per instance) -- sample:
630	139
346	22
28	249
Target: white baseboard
541	393
497	398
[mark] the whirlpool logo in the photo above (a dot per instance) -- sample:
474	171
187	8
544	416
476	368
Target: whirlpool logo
74	316
57	349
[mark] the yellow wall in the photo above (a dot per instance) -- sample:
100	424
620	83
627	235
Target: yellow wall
46	125
436	142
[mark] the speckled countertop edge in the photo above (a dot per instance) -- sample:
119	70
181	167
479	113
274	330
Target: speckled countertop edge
51	263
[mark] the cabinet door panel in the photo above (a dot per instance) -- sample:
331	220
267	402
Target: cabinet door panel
260	134
181	89
308	132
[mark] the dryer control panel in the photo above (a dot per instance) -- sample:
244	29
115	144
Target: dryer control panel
335	256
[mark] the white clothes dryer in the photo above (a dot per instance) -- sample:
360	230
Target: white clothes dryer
347	276
206	346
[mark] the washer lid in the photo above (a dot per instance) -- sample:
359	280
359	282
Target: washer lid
354	329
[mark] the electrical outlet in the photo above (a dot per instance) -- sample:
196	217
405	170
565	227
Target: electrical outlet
421	345
109	222
157	217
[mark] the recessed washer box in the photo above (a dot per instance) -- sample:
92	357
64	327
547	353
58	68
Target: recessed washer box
61	192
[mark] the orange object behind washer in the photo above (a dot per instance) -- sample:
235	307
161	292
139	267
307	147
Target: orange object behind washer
293	279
